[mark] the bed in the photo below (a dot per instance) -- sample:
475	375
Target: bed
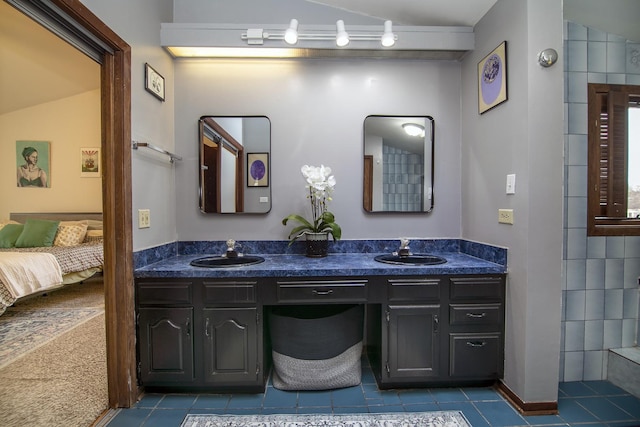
41	252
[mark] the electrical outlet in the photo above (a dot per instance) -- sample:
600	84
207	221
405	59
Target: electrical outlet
505	216
144	218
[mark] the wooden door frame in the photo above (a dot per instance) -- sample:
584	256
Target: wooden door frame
116	203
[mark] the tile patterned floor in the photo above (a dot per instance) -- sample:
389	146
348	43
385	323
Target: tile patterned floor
584	404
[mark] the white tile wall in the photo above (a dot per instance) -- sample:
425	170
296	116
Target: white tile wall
600	293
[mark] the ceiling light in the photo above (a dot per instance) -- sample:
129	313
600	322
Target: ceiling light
291	35
342	37
413	129
388	39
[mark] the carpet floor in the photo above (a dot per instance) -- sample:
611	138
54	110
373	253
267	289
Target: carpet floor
413	419
63	381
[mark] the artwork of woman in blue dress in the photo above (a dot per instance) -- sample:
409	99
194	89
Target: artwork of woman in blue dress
30	174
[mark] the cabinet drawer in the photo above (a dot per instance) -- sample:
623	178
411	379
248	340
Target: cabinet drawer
475	314
475	355
322	291
229	292
414	289
476	288
165	292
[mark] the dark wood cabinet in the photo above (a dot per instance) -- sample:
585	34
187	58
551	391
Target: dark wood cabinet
210	334
199	334
166	344
413	351
438	331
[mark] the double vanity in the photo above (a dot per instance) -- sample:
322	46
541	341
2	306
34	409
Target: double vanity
205	328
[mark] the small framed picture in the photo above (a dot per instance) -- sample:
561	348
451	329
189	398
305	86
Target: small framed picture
153	82
257	169
90	163
492	79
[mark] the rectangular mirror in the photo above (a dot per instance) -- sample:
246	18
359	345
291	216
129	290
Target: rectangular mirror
235	171
398	163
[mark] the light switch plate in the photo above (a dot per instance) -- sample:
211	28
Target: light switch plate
511	184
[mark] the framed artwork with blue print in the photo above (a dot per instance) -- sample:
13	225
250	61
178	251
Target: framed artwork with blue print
492	79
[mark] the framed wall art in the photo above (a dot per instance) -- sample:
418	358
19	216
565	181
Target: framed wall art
257	169
90	163
33	159
492	79
153	82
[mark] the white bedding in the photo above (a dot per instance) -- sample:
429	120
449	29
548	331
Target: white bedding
27	273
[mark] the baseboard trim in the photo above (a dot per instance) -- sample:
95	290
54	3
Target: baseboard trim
531	408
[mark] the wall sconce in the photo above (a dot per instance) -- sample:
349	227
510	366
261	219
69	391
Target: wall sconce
547	57
413	129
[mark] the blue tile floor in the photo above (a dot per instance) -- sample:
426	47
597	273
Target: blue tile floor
586	404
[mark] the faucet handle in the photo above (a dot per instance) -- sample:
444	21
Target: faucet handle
231	244
404	243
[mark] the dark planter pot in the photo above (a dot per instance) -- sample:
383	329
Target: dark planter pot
316	347
317	244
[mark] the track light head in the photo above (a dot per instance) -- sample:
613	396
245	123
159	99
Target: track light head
388	39
291	35
342	37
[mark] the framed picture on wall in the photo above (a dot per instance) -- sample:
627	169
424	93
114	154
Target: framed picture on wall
257	169
33	160
492	79
153	82
90	163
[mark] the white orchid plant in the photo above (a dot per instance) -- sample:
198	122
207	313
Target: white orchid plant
320	184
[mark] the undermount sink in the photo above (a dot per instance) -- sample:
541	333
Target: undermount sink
222	262
414	259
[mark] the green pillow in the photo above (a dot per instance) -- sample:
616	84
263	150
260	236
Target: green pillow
9	234
37	232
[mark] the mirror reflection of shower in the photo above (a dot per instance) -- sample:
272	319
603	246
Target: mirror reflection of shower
398	164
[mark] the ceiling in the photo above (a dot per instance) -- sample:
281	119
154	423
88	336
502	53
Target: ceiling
36	66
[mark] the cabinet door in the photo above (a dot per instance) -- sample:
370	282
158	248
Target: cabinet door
166	345
231	345
413	341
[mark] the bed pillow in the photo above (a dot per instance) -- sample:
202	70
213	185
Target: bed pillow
93	236
70	233
94	224
9	234
37	233
6	221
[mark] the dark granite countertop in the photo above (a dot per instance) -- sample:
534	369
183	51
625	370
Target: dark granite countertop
335	264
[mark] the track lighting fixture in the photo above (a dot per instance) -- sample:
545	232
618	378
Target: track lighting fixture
291	35
388	39
342	37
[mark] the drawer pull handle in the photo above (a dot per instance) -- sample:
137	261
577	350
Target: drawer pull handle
476	343
476	316
327	292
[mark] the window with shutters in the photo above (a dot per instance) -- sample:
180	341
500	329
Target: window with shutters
614	160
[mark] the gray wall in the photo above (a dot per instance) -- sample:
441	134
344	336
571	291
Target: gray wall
153	177
600	290
511	138
317	110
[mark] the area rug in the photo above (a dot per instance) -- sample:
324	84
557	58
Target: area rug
394	419
22	331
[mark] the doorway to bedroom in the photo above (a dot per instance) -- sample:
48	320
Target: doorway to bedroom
51	97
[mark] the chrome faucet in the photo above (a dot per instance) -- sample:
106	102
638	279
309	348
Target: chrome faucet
404	248
231	249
